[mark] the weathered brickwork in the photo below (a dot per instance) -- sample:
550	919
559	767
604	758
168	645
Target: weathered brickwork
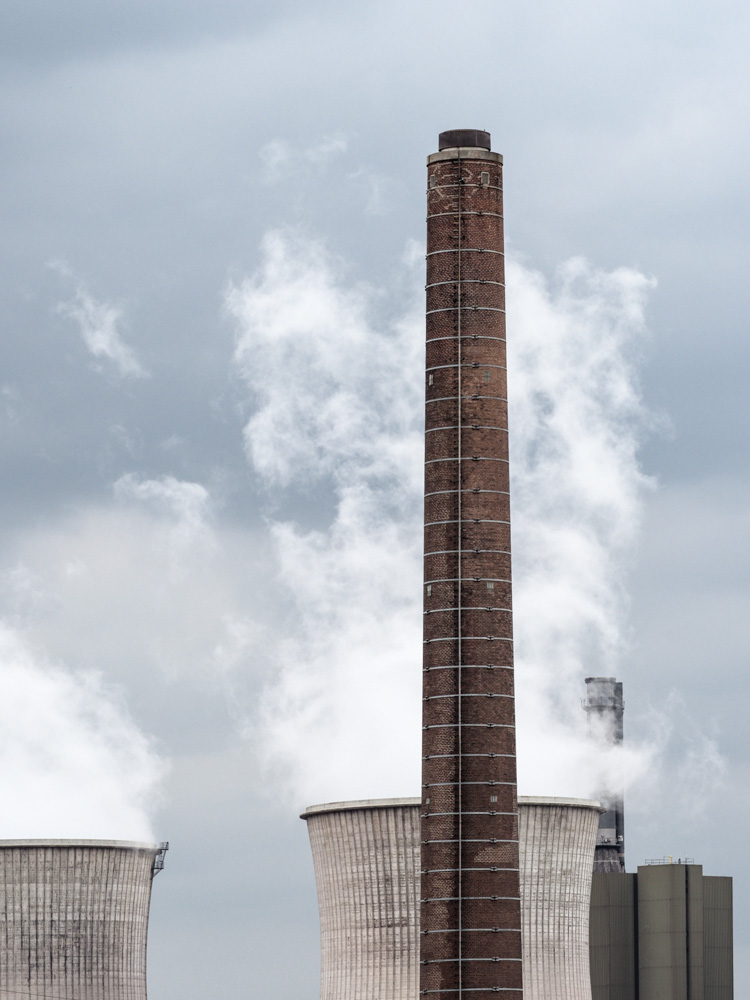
470	941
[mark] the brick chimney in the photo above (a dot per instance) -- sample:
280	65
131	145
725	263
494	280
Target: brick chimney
470	941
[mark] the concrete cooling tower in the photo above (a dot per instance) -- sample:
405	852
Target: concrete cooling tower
74	918
366	859
557	842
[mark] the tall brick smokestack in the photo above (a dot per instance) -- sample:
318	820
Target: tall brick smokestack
470	942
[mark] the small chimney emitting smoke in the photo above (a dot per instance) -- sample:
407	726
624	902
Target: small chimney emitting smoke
604	707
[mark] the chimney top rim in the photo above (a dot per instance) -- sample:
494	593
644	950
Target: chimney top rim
469	137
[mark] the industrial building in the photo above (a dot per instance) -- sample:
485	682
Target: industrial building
366	860
74	918
664	933
468	890
470	939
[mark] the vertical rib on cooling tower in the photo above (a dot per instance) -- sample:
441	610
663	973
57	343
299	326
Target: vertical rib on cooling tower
74	919
470	908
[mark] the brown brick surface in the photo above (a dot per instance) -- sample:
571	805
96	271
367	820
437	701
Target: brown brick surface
469	798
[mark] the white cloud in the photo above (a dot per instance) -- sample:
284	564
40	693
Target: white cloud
377	188
275	158
99	324
325	148
10	395
183	507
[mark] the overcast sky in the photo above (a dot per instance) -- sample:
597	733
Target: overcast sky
211	406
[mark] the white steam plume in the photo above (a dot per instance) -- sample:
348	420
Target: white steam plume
72	762
145	589
338	399
335	402
154	582
576	419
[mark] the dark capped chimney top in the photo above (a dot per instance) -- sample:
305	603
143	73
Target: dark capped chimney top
464	137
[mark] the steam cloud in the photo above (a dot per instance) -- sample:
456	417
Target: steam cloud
156	592
72	762
576	420
344	408
340	408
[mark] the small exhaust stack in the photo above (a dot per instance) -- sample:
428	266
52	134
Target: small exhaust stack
604	707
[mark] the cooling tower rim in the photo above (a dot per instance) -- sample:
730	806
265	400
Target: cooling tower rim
355	804
363	804
128	845
546	800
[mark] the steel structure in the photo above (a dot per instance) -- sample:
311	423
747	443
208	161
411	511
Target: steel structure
470	906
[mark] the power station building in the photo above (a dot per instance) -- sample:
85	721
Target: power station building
74	918
366	859
664	933
469	891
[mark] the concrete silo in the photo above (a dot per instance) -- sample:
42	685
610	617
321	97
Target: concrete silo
367	870
74	918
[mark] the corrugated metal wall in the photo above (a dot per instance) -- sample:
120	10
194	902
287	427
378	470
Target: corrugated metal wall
663	934
717	938
613	938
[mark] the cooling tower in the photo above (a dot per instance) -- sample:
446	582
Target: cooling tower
366	859
557	842
470	920
74	918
